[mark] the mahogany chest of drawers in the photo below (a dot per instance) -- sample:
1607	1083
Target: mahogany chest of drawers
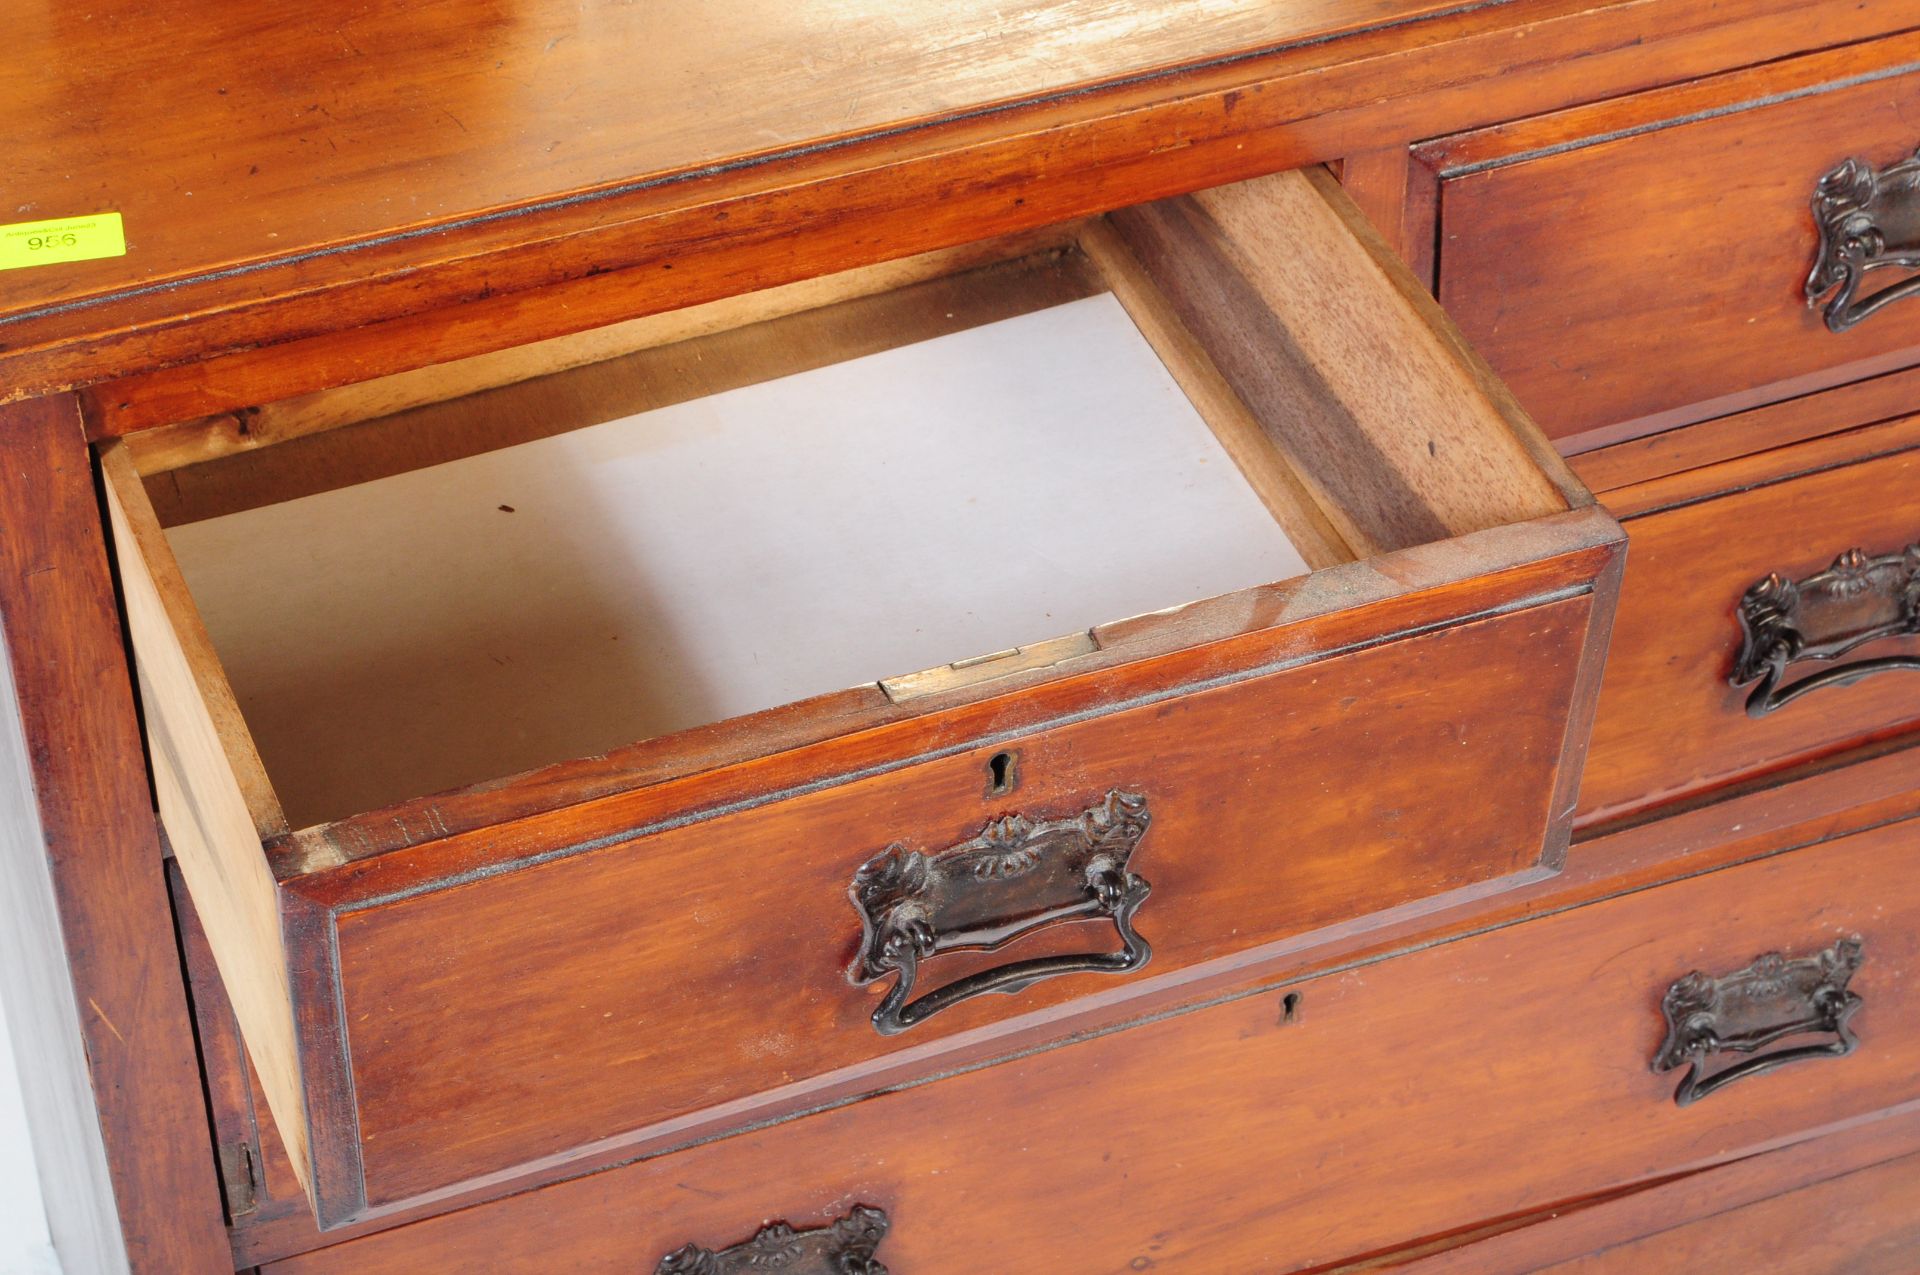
1372	550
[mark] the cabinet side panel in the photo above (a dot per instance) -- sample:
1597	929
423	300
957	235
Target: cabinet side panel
90	963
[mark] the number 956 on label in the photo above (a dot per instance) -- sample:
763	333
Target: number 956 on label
46	243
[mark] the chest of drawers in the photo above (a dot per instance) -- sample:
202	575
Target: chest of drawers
429	624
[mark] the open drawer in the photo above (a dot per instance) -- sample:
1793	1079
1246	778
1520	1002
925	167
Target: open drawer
1125	432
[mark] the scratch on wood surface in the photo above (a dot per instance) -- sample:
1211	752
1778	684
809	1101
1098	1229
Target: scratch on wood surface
94	1005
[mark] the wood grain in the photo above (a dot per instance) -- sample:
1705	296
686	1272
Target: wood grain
1609	1224
1640	460
195	442
1373	364
305	286
633	242
1348	378
1637	265
661	962
1379	183
1835	797
324	442
1308	523
172	623
1346	605
1866	1223
216	815
257	1179
1480	465
1486	597
489	111
1669	724
1267	1144
91	971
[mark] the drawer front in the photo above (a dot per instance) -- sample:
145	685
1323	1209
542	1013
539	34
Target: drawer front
706	971
484	988
1643	264
1264	1133
1680	709
1865	1223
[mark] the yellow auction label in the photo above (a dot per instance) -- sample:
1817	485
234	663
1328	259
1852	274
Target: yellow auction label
47	243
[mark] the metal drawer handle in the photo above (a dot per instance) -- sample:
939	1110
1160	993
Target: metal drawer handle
1743	1013
844	1248
1017	876
1868	219
1855	601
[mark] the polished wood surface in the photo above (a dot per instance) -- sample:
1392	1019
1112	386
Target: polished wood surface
1610	1224
614	238
1490	589
1383	423
1637	265
341	217
1669	723
1640	460
1866	1223
1864	789
89	875
666	962
1264	1139
499	106
487	862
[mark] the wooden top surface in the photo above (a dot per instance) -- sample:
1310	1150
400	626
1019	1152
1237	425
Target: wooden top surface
230	135
265	156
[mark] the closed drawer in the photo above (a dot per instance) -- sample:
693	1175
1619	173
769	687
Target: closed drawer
1717	675
1481	1079
1866	1223
1644	263
738	919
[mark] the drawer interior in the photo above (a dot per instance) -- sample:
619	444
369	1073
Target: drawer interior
732	511
1166	490
971	493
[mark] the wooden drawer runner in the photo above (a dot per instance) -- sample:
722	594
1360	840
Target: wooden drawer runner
1479	1079
1643	263
677	938
1679	711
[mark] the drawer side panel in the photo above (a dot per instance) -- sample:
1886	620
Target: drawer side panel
212	826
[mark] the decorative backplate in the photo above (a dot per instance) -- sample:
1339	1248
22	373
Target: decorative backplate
1868	219
1742	1013
844	1248
1855	601
1015	877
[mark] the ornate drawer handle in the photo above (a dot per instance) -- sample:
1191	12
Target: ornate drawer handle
1744	1012
1855	601
844	1248
1014	878
1868	219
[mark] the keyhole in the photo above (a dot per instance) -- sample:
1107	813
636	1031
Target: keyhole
1290	1008
1000	774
